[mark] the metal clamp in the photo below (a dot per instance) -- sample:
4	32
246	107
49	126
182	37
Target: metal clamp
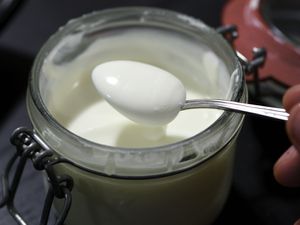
229	32
251	67
29	146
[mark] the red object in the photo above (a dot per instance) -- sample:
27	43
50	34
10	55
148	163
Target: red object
283	58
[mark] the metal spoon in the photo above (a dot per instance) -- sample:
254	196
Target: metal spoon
272	112
129	87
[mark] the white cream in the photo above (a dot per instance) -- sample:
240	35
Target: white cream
77	106
144	93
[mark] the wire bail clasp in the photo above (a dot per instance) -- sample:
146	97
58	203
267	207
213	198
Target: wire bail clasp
251	67
30	146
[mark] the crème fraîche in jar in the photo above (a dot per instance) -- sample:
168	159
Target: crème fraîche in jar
124	172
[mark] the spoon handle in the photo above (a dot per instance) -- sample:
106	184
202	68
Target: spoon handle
277	113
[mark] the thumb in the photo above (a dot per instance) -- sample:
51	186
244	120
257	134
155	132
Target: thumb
287	168
291	97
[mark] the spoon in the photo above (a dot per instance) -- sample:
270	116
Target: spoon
149	95
271	112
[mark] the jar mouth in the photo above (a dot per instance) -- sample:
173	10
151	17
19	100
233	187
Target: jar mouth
236	93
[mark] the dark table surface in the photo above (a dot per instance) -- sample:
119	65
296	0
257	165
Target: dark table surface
255	197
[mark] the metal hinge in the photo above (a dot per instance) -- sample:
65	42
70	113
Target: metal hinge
252	66
30	146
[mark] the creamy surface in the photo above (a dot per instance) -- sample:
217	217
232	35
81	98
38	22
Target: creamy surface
144	93
76	104
117	130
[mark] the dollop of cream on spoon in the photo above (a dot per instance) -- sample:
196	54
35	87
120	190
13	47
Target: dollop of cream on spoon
143	93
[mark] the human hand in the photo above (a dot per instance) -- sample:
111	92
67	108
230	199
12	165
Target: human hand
287	168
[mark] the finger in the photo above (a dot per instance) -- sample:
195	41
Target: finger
297	222
291	97
293	126
287	168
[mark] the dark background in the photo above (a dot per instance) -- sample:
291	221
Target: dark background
255	197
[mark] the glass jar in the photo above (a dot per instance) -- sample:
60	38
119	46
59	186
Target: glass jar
185	182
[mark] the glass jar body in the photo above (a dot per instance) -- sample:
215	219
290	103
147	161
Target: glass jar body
185	182
193	197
